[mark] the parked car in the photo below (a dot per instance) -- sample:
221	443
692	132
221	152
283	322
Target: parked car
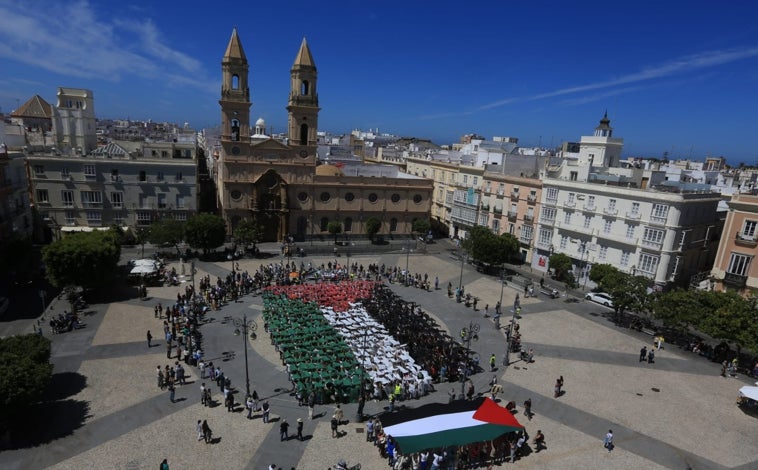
600	297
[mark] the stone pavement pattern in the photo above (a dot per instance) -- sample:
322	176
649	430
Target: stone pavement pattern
131	423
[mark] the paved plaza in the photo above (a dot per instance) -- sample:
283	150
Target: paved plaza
110	413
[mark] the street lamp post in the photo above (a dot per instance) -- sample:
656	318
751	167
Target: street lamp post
407	259
507	360
468	334
500	303
243	325
460	279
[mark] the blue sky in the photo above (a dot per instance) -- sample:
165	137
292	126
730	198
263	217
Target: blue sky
674	76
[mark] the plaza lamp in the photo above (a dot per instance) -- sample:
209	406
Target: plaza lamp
244	326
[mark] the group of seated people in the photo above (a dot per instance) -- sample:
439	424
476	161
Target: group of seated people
66	321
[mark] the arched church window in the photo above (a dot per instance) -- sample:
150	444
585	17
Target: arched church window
393	225
235	82
303	134
348	224
305	88
235	129
324	224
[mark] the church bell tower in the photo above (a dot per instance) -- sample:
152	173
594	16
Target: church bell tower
235	98
303	101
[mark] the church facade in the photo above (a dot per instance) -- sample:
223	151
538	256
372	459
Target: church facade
282	184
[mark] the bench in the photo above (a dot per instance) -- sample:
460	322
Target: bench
648	331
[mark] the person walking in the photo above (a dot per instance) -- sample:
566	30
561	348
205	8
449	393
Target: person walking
171	391
283	430
643	353
164	465
168	349
199	430
207	432
370	430
149	339
493	363
539	441
338	413
202	395
608	441
528	408
651	356
299	429
335	427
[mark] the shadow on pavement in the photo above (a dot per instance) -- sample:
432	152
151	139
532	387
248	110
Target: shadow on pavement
64	385
44	423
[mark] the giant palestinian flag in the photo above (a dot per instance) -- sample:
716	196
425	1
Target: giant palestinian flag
455	424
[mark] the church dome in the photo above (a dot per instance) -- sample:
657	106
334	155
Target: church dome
260	123
328	170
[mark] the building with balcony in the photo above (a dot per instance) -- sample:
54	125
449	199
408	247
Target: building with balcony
117	184
510	199
734	268
15	210
282	183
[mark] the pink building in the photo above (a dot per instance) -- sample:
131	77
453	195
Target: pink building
734	268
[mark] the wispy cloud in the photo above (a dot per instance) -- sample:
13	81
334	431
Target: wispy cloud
600	96
675	67
69	39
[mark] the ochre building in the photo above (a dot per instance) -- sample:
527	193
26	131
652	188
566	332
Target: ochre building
282	184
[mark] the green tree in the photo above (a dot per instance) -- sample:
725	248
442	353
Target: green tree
733	321
562	267
680	309
335	228
205	232
86	259
373	225
167	232
486	247
628	292
599	273
25	372
248	232
421	226
141	235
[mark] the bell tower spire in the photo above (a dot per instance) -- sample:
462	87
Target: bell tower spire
235	94
303	100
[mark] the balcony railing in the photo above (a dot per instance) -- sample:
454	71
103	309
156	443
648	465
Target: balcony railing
514	194
736	280
512	215
657	220
745	240
652	244
531	199
569	203
528	218
633	215
547	221
589	207
497	210
610	211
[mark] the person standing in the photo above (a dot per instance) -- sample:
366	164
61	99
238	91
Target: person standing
149	339
266	410
370	430
299	429
528	408
171	390
207	432
311	403
164	465
493	362
335	427
283	430
202	395
249	405
643	353
168	348
160	377
339	414
651	356
361	404
608	441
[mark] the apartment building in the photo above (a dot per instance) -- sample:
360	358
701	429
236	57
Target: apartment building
733	268
113	185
